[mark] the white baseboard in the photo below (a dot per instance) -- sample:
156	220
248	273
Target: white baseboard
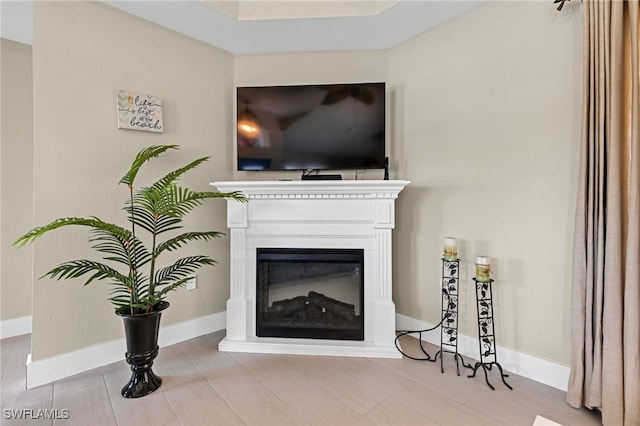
15	327
58	367
538	369
55	368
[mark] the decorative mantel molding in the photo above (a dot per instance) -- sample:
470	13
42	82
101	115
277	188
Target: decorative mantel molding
312	214
369	189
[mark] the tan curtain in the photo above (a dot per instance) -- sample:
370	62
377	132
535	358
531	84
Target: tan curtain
605	316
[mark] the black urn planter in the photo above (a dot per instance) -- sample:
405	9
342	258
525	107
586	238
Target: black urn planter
141	332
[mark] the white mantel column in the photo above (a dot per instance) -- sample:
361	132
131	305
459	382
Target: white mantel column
238	303
385	309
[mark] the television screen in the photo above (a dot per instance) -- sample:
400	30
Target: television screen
311	127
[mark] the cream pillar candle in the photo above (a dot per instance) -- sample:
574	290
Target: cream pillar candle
450	249
483	269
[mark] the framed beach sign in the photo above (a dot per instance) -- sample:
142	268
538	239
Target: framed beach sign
138	111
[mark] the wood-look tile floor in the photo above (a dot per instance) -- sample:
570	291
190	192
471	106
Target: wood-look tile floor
202	386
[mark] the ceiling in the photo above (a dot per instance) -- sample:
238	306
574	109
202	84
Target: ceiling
269	26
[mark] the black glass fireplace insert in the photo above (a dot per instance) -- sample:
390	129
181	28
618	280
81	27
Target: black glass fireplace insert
310	293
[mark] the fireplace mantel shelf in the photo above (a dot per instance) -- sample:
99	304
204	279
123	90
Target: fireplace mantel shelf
312	214
315	188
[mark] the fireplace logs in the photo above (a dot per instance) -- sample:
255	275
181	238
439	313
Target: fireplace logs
314	307
287	307
341	309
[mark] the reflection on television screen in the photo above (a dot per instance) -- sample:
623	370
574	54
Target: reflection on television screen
320	127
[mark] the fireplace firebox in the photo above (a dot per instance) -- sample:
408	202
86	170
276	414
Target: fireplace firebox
310	293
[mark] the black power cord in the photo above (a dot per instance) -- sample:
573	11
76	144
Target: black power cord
402	333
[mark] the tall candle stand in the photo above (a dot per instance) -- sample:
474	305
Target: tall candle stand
449	311
486	331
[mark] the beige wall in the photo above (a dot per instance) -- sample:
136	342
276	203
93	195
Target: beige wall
487	130
484	121
82	53
17	177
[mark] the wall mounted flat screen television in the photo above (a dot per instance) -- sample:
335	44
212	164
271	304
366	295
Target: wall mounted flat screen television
311	127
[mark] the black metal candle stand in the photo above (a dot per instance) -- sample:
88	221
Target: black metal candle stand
449	311
486	332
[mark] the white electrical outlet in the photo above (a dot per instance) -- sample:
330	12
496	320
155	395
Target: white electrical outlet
191	283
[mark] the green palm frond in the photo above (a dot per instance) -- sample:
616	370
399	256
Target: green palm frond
162	293
120	302
136	285
142	157
158	210
154	225
122	305
122	298
121	250
176	201
234	195
142	215
171	200
92	222
171	177
78	268
181	269
180	240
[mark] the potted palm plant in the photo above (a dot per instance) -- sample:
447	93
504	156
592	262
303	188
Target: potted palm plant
140	284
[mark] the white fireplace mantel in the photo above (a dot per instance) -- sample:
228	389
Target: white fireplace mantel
312	214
